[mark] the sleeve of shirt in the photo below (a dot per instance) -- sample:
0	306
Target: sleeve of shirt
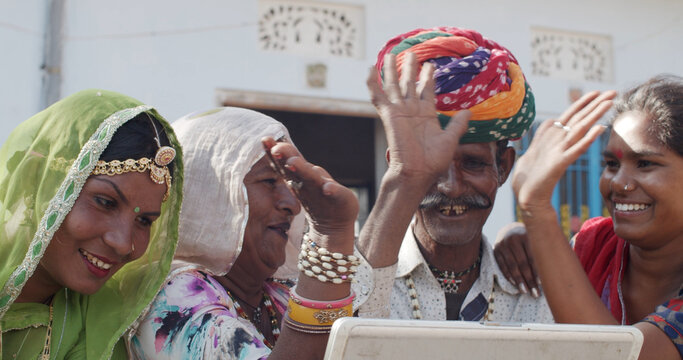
669	318
378	303
191	318
364	281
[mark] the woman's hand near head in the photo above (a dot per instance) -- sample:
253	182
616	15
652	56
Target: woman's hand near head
556	145
331	207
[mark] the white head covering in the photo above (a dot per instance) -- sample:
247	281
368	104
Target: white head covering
220	146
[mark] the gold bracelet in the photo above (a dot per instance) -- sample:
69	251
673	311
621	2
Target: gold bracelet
309	316
308	329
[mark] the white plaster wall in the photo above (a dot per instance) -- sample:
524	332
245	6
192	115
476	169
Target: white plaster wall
21	51
174	54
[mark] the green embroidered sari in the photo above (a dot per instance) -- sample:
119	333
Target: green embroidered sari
43	166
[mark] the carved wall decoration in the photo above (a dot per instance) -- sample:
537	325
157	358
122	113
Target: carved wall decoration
312	28
572	55
316	75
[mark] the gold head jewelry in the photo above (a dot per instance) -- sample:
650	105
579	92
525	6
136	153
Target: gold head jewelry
158	169
159	174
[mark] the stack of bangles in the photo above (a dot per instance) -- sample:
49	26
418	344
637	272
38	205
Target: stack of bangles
318	262
315	316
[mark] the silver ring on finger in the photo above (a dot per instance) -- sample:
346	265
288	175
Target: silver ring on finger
296	185
562	126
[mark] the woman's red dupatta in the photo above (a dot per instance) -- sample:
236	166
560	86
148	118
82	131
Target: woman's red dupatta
604	257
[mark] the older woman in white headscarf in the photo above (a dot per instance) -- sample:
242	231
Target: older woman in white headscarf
240	230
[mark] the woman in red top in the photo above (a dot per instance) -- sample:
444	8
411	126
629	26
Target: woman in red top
633	260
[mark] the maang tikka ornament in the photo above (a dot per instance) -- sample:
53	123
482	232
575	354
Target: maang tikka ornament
158	169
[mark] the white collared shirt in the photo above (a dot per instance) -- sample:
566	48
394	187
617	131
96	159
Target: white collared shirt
509	304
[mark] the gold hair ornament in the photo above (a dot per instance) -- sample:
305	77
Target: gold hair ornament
158	169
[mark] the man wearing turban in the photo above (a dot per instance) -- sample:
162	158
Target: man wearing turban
424	236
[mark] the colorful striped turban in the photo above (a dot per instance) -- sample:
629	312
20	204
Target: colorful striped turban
471	72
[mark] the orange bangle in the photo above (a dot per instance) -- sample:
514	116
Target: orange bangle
309	316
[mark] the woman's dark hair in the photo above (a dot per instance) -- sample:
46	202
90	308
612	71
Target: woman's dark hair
660	99
135	139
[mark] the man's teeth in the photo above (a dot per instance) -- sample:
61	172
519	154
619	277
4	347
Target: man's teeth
451	210
630	207
95	261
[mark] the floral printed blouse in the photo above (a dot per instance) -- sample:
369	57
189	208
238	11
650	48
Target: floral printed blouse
193	317
669	318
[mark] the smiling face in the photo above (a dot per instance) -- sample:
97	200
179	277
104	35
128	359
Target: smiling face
641	184
97	236
458	204
272	207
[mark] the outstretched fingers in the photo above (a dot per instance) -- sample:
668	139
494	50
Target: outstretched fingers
425	88
408	76
591	107
581	146
458	125
575	129
582	115
377	96
577	105
583	125
391	86
556	145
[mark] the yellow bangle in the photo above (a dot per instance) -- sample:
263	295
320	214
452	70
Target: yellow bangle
309	316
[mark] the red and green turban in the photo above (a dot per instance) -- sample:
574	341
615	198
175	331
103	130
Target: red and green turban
471	72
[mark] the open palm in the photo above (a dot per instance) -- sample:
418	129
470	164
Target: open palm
418	146
556	145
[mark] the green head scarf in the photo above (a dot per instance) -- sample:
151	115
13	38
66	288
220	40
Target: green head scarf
43	167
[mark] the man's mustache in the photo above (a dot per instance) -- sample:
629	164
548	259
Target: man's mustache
471	201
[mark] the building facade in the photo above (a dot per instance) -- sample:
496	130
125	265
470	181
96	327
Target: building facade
305	62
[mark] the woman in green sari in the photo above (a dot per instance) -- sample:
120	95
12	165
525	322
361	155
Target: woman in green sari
89	201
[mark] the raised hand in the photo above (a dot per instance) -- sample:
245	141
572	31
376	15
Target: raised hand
555	146
331	207
418	147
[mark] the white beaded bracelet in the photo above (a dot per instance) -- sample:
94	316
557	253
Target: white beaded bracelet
310	249
319	263
323	274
